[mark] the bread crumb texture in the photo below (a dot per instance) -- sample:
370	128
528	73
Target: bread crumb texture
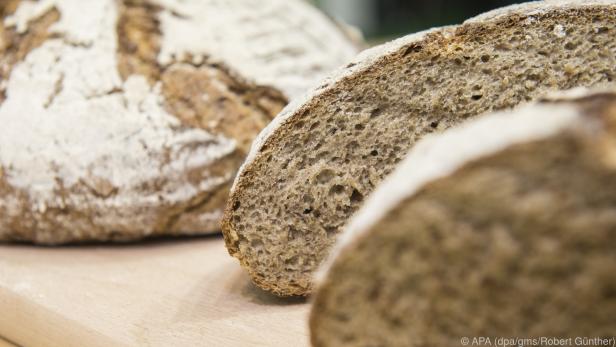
126	119
517	240
312	167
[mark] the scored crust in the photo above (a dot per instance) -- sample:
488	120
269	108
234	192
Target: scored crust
310	169
502	227
126	119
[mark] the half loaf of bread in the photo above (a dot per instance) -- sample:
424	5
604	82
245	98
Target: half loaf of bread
311	168
121	119
504	227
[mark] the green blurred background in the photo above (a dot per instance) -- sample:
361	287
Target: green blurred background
382	20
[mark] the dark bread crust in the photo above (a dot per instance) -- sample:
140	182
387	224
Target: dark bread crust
14	46
381	70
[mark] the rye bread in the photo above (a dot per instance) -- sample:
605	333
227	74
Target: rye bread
125	119
504	227
311	168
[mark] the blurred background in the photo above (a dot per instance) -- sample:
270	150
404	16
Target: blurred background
382	20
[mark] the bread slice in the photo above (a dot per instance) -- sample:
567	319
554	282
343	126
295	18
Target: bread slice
125	119
504	227
311	168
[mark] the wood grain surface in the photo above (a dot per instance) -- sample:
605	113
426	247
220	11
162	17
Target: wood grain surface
186	292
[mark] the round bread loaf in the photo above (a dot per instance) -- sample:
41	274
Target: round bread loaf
125	119
504	227
311	168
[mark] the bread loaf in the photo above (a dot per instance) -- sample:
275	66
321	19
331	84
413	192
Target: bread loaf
126	119
502	228
311	168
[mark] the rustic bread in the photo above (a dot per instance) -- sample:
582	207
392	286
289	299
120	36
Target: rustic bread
311	168
125	119
504	227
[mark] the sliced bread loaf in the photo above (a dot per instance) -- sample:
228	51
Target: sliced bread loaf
125	119
504	227
311	168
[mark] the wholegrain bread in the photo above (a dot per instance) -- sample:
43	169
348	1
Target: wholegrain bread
126	119
504	227
311	168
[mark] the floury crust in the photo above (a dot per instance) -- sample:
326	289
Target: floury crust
114	131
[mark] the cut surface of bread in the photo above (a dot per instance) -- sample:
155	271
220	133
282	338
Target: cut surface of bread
125	119
312	167
507	228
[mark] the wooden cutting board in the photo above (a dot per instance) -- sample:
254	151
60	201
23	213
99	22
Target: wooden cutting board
5	343
187	292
